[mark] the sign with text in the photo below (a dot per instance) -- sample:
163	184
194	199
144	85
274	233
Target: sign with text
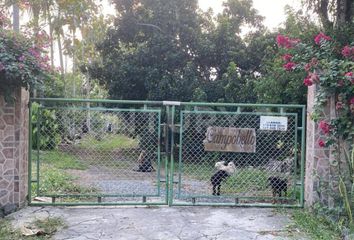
274	123
229	139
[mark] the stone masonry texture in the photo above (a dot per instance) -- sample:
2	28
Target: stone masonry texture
321	175
14	149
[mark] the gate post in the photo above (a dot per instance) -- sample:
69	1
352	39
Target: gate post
322	176
14	151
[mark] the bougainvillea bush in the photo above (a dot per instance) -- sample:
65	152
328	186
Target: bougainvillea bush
22	61
330	67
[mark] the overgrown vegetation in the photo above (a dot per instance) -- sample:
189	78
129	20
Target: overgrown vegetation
47	228
316	227
55	181
53	177
44	129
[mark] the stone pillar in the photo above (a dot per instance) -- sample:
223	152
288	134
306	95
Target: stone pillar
14	150
321	170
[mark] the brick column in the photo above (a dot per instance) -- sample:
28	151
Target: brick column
14	150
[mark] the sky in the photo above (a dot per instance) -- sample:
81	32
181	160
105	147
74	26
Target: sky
272	10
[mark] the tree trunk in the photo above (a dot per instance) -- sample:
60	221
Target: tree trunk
16	18
349	11
322	10
74	59
51	36
341	13
60	51
344	13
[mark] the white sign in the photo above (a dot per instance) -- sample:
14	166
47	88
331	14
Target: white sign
274	123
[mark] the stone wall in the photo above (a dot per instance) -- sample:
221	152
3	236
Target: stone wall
14	150
321	170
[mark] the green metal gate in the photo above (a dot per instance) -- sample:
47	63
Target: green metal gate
115	152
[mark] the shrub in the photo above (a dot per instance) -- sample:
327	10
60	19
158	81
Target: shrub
49	136
22	63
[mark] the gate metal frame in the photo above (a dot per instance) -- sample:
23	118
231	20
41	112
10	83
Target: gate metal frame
171	127
141	106
281	111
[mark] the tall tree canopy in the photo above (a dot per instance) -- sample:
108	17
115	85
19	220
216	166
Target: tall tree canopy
167	49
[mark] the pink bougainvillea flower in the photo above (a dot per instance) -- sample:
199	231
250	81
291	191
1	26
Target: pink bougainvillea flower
312	63
339	105
307	81
289	66
34	53
347	51
351	100
2	67
321	37
314	77
350	77
286	42
324	126
287	57
22	58
321	143
282	40
21	66
308	67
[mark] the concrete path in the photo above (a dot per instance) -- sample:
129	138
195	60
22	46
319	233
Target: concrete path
170	223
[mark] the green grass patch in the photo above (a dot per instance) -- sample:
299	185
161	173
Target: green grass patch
196	171
55	181
316	227
242	180
108	142
59	160
245	180
48	227
7	232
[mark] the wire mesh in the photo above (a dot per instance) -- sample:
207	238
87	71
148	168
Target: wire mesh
268	175
107	152
95	154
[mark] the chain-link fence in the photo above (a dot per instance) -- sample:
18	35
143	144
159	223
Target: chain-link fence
96	153
217	166
154	153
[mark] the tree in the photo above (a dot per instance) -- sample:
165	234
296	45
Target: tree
238	88
274	85
333	13
150	53
159	49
